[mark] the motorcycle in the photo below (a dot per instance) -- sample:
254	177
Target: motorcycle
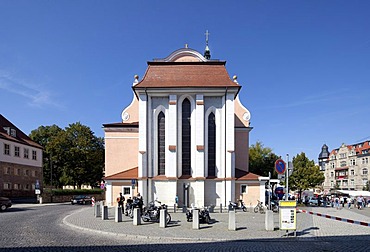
204	216
238	205
130	205
151	212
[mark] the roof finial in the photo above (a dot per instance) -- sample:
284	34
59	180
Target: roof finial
207	52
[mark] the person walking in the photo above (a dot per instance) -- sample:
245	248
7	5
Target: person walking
121	199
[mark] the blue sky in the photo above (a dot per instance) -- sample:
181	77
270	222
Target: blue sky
304	66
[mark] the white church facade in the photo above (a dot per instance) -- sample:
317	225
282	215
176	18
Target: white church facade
185	135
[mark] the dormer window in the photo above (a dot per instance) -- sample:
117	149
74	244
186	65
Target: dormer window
13	132
7	129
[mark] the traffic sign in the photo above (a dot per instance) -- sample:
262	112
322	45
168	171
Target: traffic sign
280	166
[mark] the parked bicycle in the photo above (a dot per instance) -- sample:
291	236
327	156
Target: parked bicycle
238	205
259	208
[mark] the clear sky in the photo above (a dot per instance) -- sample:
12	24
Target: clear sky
304	66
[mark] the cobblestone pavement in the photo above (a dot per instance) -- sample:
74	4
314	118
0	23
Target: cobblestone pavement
63	227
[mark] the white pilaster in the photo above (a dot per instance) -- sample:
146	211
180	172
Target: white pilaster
199	137
142	172
171	136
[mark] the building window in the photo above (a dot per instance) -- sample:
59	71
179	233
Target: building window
6	149
331	184
352	172
352	182
364	171
13	132
243	189
34	155
343	163
26	173
186	137
364	182
16	151
353	162
25	152
365	151
7	170
161	144
211	145
17	172
332	165
17	186
342	155
332	174
7	186
27	187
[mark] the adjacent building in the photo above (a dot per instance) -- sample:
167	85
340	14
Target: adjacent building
20	162
185	136
347	167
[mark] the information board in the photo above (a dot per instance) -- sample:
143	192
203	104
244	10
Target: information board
288	215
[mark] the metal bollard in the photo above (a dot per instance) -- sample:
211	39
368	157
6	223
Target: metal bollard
195	218
98	209
118	215
232	223
104	212
220	208
162	218
174	208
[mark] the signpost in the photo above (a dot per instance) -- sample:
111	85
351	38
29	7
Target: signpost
280	166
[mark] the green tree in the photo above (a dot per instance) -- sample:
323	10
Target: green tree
82	154
45	135
74	156
262	160
305	174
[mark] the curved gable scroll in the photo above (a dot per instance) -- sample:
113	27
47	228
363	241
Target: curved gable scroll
184	55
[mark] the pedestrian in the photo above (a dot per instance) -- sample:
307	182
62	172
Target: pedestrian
349	201
359	201
336	202
120	199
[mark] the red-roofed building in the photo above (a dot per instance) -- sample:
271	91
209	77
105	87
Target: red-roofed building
20	162
347	167
185	134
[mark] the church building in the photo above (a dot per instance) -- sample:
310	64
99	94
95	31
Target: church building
184	137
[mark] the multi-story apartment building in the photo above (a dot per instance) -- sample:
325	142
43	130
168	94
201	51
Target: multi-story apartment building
347	167
20	162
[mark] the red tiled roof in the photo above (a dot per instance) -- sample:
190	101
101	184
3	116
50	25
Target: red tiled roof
186	74
128	174
20	136
243	175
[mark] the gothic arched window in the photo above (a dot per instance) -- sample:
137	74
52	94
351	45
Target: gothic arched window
161	144
211	145
186	137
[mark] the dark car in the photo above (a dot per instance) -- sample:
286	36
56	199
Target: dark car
5	203
81	199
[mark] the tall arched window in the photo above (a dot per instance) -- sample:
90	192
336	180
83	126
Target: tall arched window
186	137
211	145
161	144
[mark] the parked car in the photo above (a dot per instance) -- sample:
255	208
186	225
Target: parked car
81	199
5	203
313	201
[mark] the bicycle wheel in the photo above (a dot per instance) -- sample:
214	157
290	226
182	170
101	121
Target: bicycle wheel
256	209
262	210
168	218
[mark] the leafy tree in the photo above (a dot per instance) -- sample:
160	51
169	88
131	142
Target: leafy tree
305	175
45	135
75	154
262	160
82	154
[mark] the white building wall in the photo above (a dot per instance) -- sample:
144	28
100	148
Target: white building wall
20	160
